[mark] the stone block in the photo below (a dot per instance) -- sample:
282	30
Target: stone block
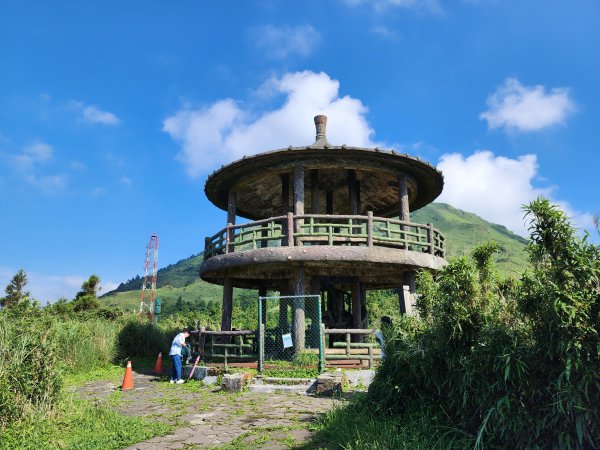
235	382
199	373
330	383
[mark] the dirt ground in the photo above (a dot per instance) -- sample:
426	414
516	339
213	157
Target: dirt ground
205	417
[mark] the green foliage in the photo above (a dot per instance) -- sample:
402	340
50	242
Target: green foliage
360	426
77	424
515	363
14	290
29	370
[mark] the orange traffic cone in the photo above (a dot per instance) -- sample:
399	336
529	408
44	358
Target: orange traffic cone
128	378
158	366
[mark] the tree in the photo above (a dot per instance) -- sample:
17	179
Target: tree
90	287
14	290
86	298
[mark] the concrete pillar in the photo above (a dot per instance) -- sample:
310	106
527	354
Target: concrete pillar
329	202
403	196
299	322
314	191
231	207
299	190
406	294
285	193
352	193
298	198
356	307
227	304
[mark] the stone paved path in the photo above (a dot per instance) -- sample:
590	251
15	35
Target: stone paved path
205	417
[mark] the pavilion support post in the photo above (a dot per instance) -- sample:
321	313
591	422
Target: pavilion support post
227	304
299	313
231	207
329	202
299	198
363	304
285	201
356	305
406	293
403	196
314	191
352	192
231	214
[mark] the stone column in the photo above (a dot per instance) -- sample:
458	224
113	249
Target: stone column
329	202
352	192
231	207
298	198
403	195
285	193
227	304
356	306
299	322
228	282
314	191
406	293
285	205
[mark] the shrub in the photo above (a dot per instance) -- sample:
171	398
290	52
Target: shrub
515	363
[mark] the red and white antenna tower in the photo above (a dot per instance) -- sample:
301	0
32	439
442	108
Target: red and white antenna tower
149	285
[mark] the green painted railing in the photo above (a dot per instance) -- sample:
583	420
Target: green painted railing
322	229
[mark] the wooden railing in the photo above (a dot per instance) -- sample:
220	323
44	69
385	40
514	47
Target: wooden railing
227	345
325	229
349	350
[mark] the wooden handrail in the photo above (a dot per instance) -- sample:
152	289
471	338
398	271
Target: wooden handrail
326	228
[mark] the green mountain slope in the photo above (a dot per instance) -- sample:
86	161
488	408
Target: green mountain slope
462	230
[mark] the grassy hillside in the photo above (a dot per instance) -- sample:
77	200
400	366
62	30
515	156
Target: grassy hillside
462	230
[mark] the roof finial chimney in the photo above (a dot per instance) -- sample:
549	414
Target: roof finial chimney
321	125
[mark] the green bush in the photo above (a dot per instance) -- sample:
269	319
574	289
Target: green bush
30	379
515	363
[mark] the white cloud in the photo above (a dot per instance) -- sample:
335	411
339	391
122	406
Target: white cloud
98	191
92	114
385	32
29	162
226	130
527	108
49	288
47	183
384	5
285	41
126	181
38	152
496	187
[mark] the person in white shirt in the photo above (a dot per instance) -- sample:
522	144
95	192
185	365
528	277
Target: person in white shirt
175	355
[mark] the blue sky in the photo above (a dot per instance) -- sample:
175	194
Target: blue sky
112	114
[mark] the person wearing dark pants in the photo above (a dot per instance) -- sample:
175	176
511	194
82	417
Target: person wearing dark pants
175	355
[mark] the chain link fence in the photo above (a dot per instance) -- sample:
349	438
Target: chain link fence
290	335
